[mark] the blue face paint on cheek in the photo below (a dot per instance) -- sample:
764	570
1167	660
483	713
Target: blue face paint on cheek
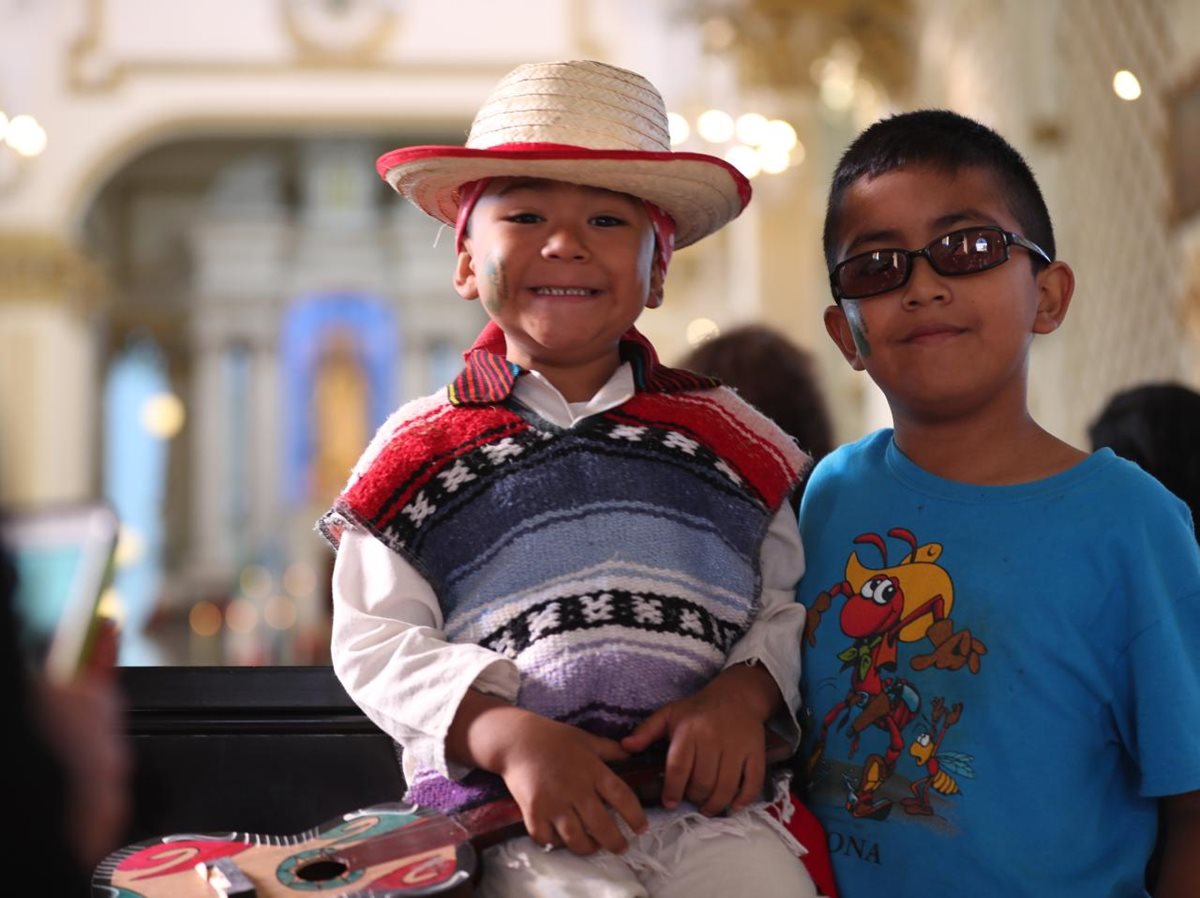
493	273
858	327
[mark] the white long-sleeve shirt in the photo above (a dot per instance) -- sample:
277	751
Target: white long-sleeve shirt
390	652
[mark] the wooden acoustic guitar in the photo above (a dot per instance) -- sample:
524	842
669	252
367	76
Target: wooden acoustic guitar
392	850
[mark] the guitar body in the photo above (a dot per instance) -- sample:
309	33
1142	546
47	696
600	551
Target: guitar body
392	850
387	850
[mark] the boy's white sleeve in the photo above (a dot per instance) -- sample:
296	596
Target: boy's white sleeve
393	658
773	640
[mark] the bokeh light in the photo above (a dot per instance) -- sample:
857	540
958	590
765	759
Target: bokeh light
701	329
1126	85
205	619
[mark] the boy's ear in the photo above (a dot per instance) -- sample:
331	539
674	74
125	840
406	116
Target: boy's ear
465	281
1056	285
842	335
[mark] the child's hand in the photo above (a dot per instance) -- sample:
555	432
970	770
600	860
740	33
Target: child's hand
717	754
561	780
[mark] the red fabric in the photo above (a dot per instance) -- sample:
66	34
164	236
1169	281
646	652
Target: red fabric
488	378
664	234
554	151
760	464
468	196
419	451
426	444
808	832
491	339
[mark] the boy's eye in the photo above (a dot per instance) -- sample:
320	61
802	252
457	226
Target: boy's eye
873	265
966	244
607	221
956	244
523	218
878	263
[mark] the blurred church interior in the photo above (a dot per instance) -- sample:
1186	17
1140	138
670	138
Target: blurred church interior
209	300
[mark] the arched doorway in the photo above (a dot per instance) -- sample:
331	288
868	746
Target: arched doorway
272	275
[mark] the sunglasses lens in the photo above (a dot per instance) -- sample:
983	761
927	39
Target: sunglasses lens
964	252
872	273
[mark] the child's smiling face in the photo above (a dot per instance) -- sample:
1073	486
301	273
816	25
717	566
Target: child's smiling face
563	269
938	346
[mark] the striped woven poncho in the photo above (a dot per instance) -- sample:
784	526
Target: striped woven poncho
615	562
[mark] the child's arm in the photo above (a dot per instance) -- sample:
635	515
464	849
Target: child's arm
558	774
451	705
1179	870
392	656
716	758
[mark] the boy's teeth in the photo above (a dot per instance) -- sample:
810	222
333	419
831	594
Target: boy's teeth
563	291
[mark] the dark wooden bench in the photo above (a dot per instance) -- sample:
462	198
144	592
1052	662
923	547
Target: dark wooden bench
271	750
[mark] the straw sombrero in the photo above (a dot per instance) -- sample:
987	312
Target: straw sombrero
583	122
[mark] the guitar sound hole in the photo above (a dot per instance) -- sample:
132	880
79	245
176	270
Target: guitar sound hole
322	870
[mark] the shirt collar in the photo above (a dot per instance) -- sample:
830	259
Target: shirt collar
489	377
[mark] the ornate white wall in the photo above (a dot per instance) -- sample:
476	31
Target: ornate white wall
1040	71
113	79
109	79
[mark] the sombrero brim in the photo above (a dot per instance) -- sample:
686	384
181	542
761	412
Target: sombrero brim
701	193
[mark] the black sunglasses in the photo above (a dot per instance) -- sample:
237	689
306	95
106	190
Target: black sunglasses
966	251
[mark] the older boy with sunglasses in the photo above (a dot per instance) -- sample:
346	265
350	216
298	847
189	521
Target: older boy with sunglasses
1004	632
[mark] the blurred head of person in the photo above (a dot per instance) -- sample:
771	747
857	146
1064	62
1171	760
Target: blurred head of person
1158	427
775	376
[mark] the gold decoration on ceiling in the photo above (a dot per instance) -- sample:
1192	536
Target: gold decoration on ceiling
339	30
777	43
45	268
324	34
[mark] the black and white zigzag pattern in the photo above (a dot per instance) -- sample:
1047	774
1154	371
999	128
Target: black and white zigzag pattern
472	470
647	612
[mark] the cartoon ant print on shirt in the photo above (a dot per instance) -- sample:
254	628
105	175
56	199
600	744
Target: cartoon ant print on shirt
944	768
905	602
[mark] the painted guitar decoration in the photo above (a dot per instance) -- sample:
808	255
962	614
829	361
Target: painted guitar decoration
392	849
389	849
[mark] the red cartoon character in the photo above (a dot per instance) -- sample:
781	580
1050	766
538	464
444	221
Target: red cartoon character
905	602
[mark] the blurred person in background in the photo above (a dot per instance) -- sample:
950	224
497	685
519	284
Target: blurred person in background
69	795
1157	426
775	376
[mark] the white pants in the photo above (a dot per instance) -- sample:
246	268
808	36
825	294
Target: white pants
692	862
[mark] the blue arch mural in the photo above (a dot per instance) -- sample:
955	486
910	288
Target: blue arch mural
308	320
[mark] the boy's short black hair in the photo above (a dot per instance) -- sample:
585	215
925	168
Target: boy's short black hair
945	141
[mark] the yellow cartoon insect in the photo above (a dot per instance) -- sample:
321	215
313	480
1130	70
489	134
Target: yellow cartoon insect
944	766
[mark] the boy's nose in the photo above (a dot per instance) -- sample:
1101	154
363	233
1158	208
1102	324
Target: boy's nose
924	284
565	243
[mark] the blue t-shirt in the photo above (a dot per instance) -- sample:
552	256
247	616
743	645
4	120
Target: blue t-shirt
1004	679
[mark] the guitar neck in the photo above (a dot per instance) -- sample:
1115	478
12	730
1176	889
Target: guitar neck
499	819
